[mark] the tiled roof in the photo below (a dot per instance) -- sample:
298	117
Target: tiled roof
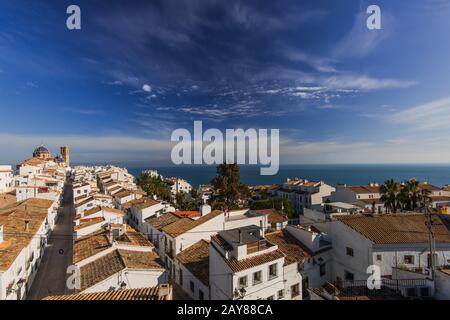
191	214
32	162
96	242
273	215
99	208
123	194
221	242
185	224
392	229
15	237
90	245
293	249
365	189
428	186
84	223
240	265
162	221
144	203
114	262
79	204
152	293
7	199
135	238
196	260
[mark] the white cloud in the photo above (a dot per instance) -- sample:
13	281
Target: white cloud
319	64
431	115
360	41
363	82
147	88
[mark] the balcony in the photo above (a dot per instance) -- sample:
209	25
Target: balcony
388	287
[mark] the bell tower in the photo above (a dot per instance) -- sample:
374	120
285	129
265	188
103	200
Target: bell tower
65	154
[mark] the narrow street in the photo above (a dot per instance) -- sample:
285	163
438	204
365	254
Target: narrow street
51	276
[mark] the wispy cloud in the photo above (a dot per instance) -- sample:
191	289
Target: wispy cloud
360	41
431	115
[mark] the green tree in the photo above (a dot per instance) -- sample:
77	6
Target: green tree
154	186
184	202
410	195
229	190
390	195
280	204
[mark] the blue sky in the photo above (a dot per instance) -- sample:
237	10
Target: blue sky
338	92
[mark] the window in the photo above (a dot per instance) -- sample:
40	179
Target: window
349	251
280	294
201	295
409	259
242	282
323	269
181	277
192	286
379	257
273	271
257	276
349	276
295	290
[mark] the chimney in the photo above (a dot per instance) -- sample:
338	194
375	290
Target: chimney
1	233
205	209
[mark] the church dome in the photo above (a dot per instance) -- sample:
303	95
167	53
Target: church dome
41	149
41	152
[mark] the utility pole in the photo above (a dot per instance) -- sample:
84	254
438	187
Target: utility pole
431	241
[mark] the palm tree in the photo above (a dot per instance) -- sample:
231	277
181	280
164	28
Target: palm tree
389	195
424	198
410	195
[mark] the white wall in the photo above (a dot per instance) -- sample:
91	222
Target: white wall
133	278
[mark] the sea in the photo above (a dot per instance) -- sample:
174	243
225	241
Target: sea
350	174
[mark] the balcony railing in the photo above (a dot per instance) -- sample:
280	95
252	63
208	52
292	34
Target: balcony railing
258	246
387	286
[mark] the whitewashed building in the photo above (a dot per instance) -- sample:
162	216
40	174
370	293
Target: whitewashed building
6	178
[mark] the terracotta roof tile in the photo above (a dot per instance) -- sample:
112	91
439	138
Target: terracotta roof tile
90	245
185	224
366	189
400	228
294	250
114	262
13	218
162	221
152	293
84	223
196	260
240	265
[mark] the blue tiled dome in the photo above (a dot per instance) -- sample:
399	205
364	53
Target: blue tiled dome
41	149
